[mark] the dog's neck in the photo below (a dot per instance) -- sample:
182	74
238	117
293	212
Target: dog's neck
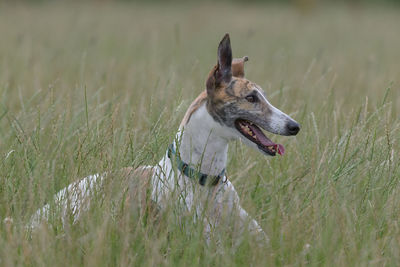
204	142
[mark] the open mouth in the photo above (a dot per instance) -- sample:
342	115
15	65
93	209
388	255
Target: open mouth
256	135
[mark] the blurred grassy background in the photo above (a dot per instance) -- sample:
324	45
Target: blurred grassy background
87	88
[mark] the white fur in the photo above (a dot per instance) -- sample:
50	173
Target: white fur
73	200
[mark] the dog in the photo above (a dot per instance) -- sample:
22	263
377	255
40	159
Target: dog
193	167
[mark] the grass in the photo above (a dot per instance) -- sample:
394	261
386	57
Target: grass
87	89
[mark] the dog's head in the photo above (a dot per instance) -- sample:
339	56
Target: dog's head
237	103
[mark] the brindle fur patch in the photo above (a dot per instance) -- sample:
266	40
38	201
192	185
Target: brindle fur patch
229	103
237	71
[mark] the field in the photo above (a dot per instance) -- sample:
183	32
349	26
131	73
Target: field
92	88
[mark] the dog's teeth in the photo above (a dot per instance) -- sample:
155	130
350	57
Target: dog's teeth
246	129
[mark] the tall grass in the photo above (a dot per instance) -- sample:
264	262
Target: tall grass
88	89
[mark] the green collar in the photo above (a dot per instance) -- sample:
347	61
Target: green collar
190	172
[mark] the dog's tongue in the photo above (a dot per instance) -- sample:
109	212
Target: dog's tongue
265	141
280	149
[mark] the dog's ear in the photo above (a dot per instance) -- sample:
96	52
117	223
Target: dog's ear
222	72
238	66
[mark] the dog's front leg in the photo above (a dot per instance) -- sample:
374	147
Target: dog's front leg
227	211
252	226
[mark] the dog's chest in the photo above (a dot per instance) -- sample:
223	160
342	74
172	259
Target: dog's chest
167	186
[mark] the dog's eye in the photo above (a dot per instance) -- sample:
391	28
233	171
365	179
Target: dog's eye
252	98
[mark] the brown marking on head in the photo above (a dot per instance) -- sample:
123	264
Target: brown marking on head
237	71
241	98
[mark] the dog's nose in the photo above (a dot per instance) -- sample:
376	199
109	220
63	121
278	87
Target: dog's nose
293	127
